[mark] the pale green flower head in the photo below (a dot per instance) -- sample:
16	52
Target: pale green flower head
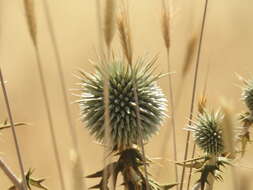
124	128
207	132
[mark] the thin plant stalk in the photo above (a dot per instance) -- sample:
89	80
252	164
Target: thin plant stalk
173	124
125	34
194	146
194	92
166	27
50	119
137	108
6	99
109	30
72	130
32	27
99	26
9	173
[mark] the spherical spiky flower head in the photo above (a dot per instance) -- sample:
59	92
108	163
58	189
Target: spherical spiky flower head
124	128
207	132
247	94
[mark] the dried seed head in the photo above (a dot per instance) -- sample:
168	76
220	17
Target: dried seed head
202	104
247	94
109	23
124	129
207	131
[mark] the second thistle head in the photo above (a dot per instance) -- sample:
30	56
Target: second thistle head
207	132
247	94
124	127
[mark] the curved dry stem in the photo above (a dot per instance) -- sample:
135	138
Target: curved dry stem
6	99
12	177
194	93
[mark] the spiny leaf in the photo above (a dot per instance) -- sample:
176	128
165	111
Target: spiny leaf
6	125
205	171
34	182
195	164
169	186
245	139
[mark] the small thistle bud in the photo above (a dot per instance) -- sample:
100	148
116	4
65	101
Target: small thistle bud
207	132
247	94
124	129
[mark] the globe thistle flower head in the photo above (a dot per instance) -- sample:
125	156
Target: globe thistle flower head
207	132
124	128
247	94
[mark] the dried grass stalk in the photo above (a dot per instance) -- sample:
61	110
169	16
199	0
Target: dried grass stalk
30	16
109	22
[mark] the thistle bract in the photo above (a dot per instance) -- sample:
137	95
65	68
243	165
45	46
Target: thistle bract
247	94
207	132
124	128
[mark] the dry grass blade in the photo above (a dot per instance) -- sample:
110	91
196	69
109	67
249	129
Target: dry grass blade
125	35
166	26
109	22
30	17
193	94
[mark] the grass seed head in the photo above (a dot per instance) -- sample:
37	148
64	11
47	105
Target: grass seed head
124	128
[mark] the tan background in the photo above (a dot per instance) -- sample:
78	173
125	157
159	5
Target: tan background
227	47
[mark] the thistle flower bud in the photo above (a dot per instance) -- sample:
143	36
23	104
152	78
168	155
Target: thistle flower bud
207	132
124	129
247	94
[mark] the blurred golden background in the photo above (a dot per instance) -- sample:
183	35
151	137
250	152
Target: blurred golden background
227	49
